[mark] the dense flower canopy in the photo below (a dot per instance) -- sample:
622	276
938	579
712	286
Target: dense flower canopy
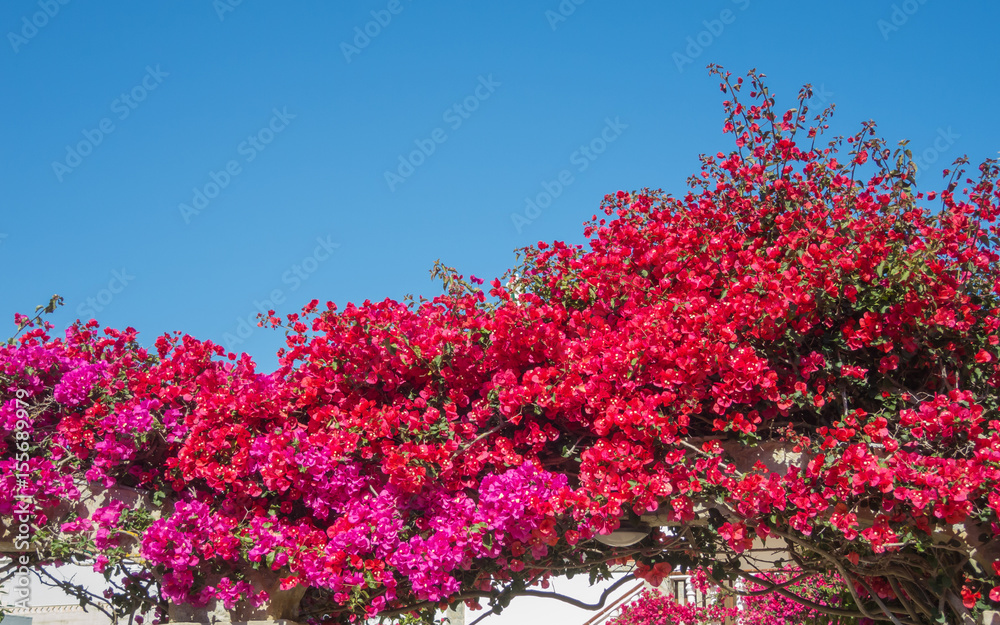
468	447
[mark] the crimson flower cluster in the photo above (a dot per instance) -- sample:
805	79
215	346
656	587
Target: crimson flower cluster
705	604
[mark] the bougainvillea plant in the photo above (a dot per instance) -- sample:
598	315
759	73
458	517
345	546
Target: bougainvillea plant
802	349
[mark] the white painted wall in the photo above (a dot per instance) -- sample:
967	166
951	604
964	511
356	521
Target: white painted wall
539	611
522	610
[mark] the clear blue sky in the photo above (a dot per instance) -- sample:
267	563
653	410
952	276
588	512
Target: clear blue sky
296	117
